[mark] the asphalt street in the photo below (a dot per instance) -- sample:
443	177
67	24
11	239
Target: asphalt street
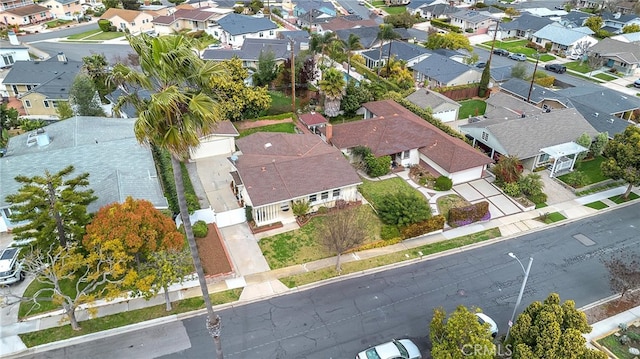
341	318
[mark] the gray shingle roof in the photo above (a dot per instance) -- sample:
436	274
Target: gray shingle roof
617	17
627	52
415	4
471	16
561	35
236	24
106	148
38	72
437	102
438	10
401	50
441	68
251	50
526	22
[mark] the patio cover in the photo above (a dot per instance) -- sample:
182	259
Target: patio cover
562	153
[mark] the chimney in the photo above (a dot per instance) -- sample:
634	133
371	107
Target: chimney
13	39
328	132
147	2
62	57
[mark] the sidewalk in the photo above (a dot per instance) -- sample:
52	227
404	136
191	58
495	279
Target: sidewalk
264	284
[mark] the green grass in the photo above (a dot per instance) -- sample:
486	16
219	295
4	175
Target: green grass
377	3
394	10
591	169
579	66
287	127
518	46
106	35
374	191
619	199
471	108
302	246
546	57
605	77
43	305
596	205
396	257
126	318
82	35
549	218
343	119
280	103
612	342
56	23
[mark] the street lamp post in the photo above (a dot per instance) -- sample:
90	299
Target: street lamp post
533	77
524	284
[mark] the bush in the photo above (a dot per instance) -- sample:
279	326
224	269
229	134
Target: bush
389	232
443	183
377	166
546	81
248	212
104	25
461	216
403	209
300	208
512	189
200	229
322	210
443	25
163	159
432	224
576	179
113	29
539	197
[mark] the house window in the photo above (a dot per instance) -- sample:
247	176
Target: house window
8	59
15	89
6	212
324	195
405	155
27	103
336	193
261	34
133	23
313	198
43	14
49	6
46	104
55	104
271	33
485	136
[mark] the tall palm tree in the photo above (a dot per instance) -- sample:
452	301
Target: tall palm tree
333	87
350	45
320	43
385	33
178	111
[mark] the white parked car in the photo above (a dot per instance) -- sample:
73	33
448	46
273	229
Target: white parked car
10	266
493	327
395	349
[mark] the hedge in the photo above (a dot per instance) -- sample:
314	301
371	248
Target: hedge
432	224
446	26
461	216
372	76
163	161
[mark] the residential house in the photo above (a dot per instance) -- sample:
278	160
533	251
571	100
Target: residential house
93	145
313	19
523	27
628	37
133	21
438	71
219	140
472	21
275	170
188	19
344	23
409	53
368	35
442	107
29	14
615	22
391	130
437	11
304	6
40	85
626	7
553	14
314	122
570	42
414	6
590	4
512	127
574	18
12	51
605	109
233	29
64	9
621	56
396	2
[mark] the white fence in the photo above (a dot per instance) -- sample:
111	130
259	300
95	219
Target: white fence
222	219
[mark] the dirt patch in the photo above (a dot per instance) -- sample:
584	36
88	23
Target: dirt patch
613	307
213	253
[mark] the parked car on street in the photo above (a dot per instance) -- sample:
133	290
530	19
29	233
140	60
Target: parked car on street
395	349
636	83
493	327
518	57
501	52
481	64
10	266
557	68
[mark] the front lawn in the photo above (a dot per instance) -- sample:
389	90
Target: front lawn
605	77
619	199
590	168
471	108
287	127
394	10
56	23
83	35
42	305
374	191
546	57
579	66
549	218
597	205
515	47
106	35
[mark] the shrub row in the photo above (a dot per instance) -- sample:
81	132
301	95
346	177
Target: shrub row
443	25
373	77
432	224
461	216
163	161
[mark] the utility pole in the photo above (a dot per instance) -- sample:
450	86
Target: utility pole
293	76
493	43
533	77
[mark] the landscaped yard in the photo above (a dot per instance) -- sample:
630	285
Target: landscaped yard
393	10
591	170
596	205
619	199
126	318
621	351
472	108
106	35
82	35
287	127
514	46
578	66
301	246
605	77
450	201
56	23
280	103
374	191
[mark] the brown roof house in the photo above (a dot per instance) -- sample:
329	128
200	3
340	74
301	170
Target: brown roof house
314	122
390	129
25	15
134	21
220	140
275	170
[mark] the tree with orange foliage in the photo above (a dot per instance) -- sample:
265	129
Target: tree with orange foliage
142	228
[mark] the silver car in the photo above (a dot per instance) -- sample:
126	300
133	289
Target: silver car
518	57
395	349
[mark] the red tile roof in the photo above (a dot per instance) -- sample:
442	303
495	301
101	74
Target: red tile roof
396	129
276	167
312	118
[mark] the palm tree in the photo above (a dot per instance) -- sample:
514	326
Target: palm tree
172	119
351	44
333	87
386	32
319	43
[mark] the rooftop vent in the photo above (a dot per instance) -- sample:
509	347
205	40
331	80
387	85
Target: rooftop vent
267	145
39	137
611	120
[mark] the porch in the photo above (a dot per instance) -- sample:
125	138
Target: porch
559	159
